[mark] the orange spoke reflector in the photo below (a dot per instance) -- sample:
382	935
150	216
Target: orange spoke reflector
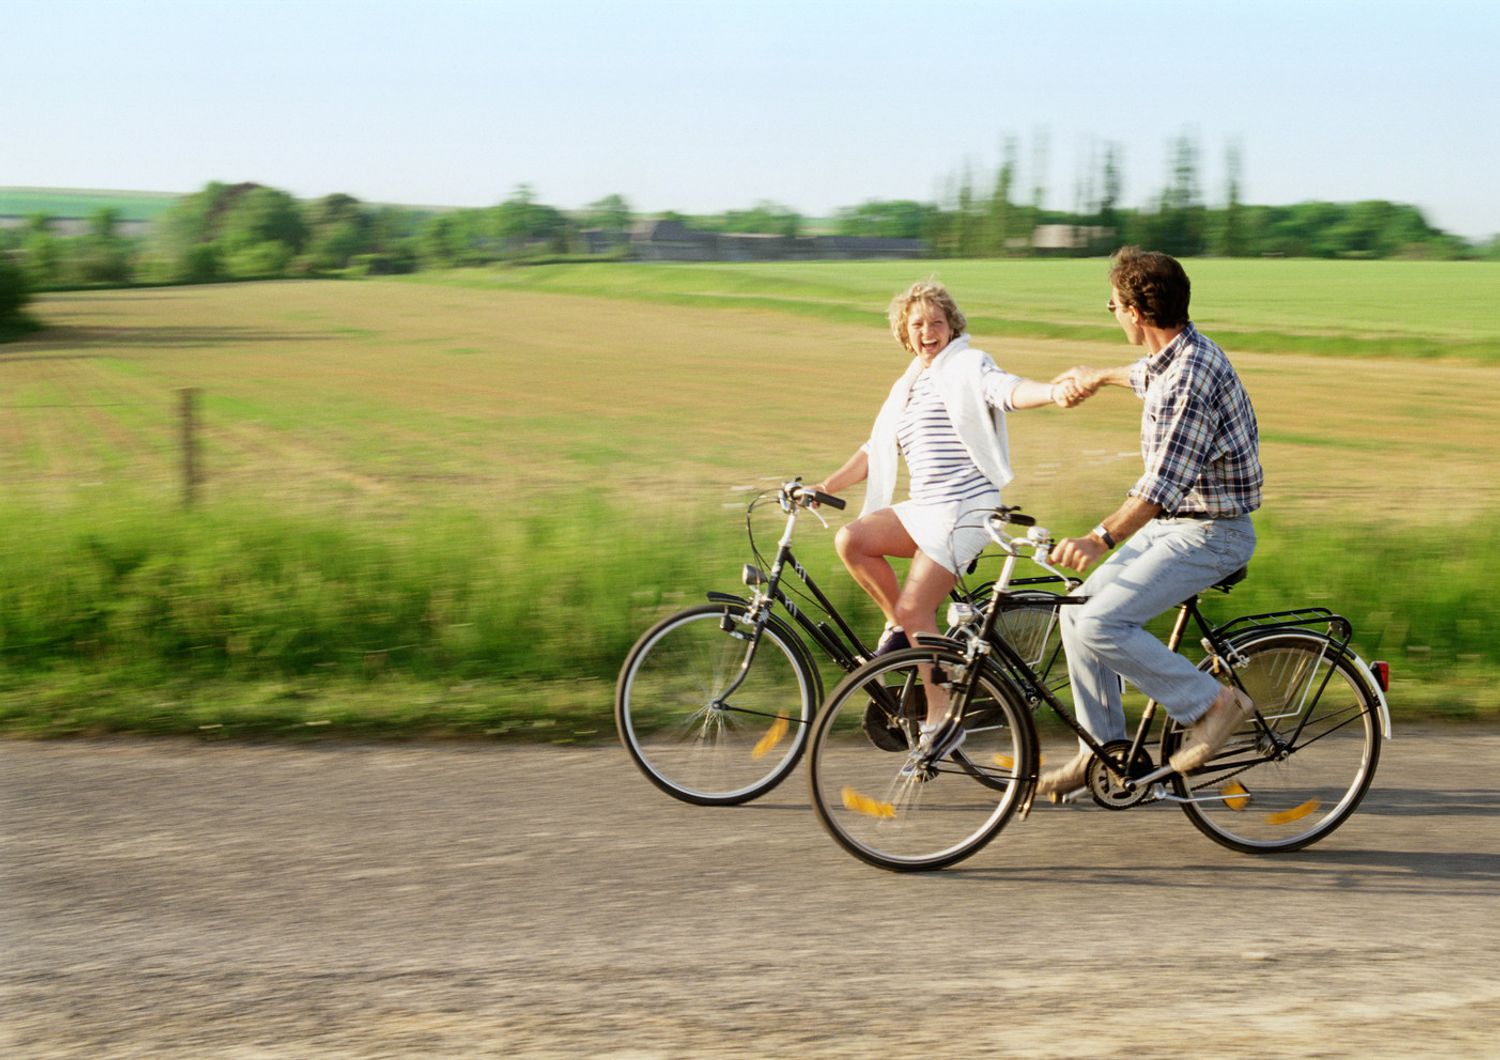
1296	813
771	738
1235	795
1007	762
857	803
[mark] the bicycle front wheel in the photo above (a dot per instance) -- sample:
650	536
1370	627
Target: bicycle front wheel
1287	783
890	808
712	711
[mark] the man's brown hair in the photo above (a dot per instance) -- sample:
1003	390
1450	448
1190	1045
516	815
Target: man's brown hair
1153	283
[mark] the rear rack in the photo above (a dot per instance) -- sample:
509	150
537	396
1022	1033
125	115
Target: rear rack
1337	627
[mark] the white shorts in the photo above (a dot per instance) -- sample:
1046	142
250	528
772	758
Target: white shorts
951	533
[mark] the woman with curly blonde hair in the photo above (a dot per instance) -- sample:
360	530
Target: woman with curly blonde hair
945	416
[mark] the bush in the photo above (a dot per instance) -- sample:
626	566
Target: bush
198	264
14	294
13	290
259	261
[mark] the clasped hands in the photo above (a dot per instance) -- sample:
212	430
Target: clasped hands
1075	386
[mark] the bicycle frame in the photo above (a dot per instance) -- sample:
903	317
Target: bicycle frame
1217	641
839	641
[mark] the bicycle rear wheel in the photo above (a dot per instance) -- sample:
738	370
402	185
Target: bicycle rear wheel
696	734
1288	784
895	811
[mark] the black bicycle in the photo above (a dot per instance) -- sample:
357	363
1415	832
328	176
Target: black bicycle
1292	773
714	703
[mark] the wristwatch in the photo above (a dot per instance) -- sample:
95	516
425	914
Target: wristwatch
1103	535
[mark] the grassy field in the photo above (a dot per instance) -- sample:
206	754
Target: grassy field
1367	309
450	506
58	202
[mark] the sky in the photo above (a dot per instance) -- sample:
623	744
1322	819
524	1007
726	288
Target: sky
702	106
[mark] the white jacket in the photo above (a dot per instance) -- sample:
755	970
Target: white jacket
957	376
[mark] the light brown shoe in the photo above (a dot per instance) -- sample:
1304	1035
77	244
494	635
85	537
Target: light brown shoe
1070	776
1209	733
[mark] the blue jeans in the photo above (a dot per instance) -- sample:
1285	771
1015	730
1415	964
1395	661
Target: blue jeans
1161	565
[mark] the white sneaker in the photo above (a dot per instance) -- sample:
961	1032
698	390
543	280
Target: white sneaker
935	741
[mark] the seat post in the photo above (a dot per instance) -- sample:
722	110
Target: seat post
1179	627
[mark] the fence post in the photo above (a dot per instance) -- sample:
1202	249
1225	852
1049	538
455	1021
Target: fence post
187	415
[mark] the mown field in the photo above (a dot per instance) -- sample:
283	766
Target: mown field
448	504
59	202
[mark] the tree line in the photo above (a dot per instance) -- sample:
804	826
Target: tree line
250	231
998	215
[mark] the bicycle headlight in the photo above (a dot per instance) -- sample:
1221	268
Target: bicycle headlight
960	614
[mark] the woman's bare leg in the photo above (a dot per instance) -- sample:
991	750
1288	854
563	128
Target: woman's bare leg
927	583
864	544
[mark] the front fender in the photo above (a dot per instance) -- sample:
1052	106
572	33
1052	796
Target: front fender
788	634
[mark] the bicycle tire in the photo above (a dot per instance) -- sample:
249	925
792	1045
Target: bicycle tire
684	741
1254	799
881	809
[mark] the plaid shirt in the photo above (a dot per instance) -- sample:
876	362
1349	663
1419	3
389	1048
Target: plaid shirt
1198	433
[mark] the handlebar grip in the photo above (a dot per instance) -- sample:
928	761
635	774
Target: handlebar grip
1014	518
828	499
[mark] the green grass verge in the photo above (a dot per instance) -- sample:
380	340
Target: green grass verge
1348	309
236	623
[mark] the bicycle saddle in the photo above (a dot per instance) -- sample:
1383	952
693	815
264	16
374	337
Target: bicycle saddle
1233	579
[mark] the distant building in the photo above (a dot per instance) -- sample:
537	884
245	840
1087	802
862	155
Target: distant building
1067	238
602	241
77	226
674	241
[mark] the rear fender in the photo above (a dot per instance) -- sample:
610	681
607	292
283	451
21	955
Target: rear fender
1374	686
1360	666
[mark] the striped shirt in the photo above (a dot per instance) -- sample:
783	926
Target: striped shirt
1199	437
941	468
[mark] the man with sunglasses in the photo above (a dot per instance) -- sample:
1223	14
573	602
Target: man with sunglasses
1184	524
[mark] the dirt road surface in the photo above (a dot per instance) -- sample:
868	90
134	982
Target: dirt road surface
176	899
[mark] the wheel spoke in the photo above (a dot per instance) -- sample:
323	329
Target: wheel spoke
892	808
1287	796
689	742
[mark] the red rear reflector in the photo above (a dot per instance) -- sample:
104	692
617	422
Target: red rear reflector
1382	674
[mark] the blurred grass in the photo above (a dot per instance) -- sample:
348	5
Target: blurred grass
1327	308
239	622
450	507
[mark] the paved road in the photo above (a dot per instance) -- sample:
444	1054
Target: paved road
172	899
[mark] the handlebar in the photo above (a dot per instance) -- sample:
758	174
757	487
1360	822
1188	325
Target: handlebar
806	496
819	497
1038	539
